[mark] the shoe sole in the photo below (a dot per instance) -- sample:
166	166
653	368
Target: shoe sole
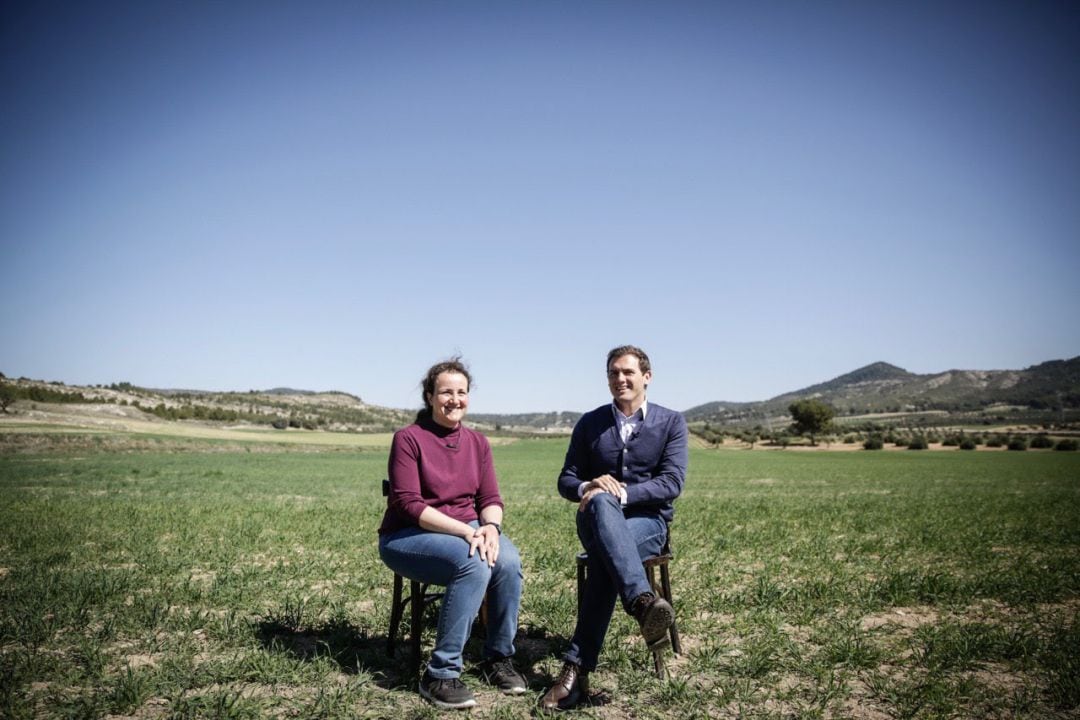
660	617
563	705
511	690
471	702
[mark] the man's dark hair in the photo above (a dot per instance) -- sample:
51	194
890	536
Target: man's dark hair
427	385
616	353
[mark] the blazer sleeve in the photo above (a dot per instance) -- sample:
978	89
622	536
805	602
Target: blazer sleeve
669	476
575	466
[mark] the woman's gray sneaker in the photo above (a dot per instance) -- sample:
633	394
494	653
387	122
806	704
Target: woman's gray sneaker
450	693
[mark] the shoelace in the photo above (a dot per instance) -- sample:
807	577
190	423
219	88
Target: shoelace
502	666
452	683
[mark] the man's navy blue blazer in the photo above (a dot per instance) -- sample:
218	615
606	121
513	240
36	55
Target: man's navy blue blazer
652	463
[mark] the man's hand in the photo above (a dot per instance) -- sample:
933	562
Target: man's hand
486	540
602	484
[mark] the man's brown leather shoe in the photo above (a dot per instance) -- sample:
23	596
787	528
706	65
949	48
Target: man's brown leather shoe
655	615
570	688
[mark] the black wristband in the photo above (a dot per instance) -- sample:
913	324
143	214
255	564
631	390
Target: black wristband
498	527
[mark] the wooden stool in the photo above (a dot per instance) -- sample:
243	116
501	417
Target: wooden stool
661	589
419	600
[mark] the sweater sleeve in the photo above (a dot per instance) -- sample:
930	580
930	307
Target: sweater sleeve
405	499
487	494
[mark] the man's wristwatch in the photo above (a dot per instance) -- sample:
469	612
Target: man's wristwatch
498	527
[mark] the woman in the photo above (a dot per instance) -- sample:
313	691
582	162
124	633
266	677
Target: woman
443	525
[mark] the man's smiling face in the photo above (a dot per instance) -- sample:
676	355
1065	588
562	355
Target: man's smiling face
627	383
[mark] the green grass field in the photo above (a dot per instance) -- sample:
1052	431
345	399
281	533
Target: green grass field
244	585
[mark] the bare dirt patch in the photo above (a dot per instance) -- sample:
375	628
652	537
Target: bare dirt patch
141	660
1001	680
203	577
860	705
910	618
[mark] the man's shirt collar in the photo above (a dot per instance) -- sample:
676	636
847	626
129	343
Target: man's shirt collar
627	426
644	410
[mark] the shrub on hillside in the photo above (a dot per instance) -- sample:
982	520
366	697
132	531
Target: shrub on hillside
1042	441
995	441
967	444
951	441
8	395
874	442
1067	445
1018	443
48	395
917	443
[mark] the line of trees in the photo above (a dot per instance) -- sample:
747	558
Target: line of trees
37	393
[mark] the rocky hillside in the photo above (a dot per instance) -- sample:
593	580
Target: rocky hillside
884	388
280	407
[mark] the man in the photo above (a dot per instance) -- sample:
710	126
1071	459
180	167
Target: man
625	465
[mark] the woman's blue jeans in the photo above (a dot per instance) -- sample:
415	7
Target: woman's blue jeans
441	559
616	545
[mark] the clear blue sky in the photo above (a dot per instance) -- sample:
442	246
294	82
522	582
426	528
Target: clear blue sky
331	195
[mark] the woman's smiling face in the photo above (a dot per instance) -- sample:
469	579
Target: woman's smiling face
450	400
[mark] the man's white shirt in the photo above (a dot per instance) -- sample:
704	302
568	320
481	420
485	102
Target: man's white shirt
626	425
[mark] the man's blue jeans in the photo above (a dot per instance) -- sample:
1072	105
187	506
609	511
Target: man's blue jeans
616	545
441	559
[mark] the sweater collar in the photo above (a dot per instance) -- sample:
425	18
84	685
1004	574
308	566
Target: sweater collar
429	424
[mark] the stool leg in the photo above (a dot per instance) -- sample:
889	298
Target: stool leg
665	579
650	571
396	609
417	625
658	663
658	653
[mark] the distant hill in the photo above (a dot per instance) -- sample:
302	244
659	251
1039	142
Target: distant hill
884	388
285	407
878	388
545	422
